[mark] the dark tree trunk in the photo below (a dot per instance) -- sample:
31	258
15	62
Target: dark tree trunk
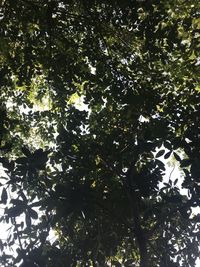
139	232
143	251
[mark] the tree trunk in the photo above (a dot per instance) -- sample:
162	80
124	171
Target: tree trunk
134	200
143	250
140	235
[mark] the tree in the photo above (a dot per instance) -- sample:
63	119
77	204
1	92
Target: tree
92	172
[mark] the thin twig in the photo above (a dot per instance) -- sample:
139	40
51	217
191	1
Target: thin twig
171	173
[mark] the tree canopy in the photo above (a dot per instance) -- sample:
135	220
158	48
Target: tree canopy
94	95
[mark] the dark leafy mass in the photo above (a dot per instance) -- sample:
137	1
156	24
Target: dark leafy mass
96	97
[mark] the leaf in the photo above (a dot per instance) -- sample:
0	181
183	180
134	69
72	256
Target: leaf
187	173
167	185
15	211
26	151
22	160
160	164
38	153
1	245
116	263
18	258
176	181
160	153
177	157
33	214
4	196
129	263
177	142
185	163
168	145
36	204
39	159
28	220
16	202
167	155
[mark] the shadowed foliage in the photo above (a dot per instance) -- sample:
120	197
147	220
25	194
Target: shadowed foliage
95	96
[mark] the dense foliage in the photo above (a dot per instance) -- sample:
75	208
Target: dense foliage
94	94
